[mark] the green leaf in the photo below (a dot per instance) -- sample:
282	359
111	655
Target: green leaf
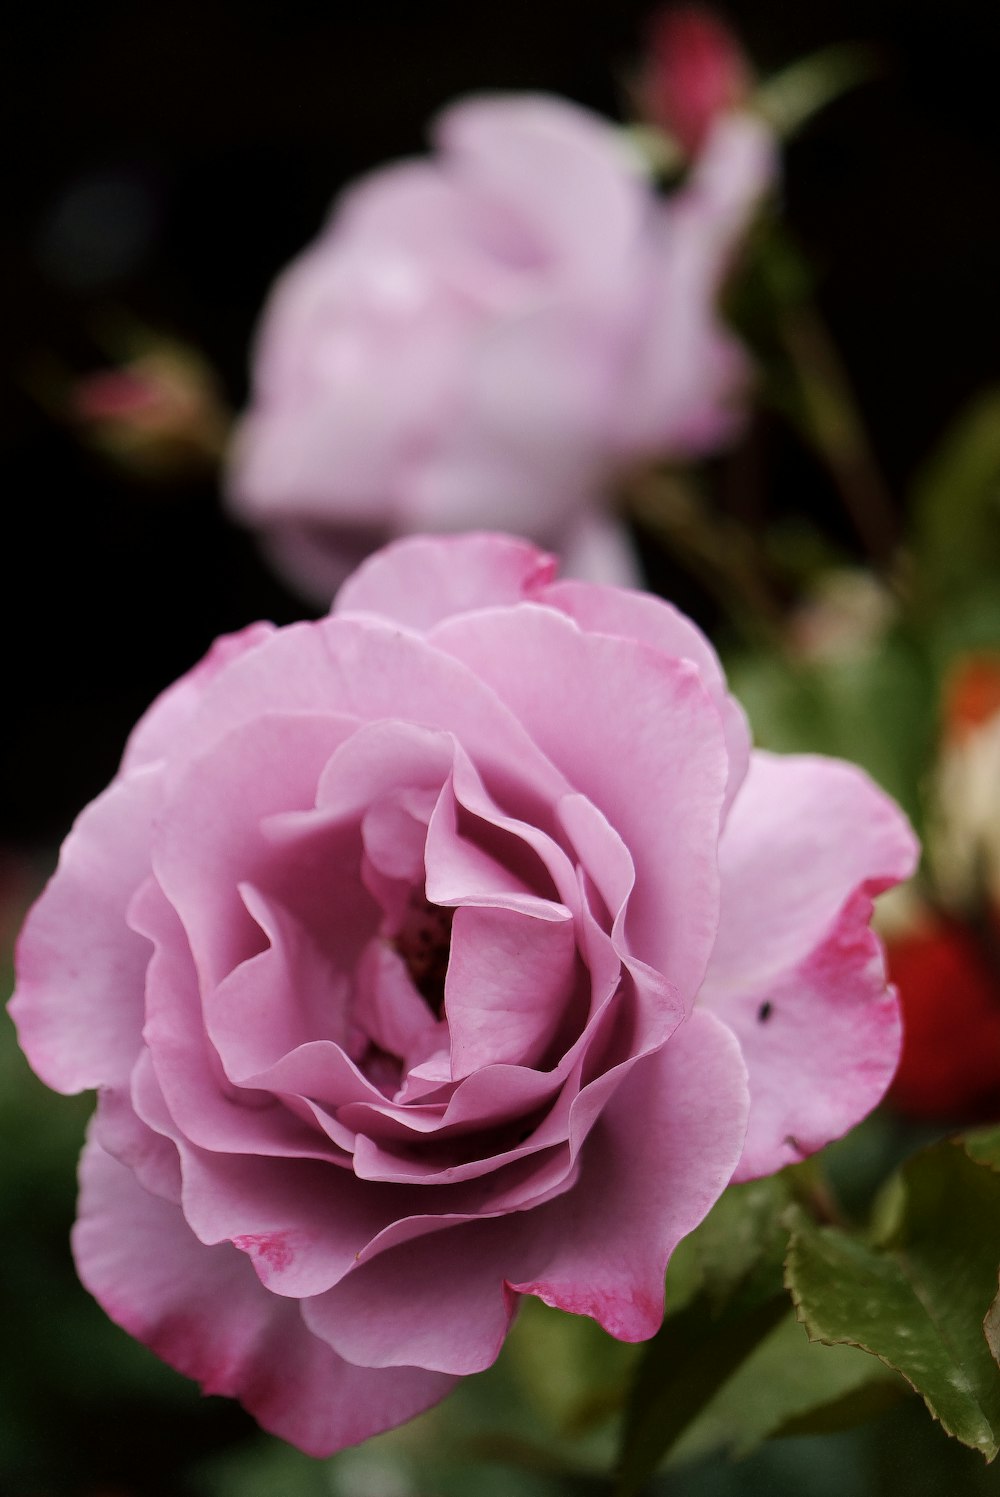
790	98
685	1365
916	1298
570	1370
874	707
983	1145
874	1394
740	1246
791	1385
957	502
737	1252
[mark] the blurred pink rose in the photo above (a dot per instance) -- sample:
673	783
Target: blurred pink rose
489	335
452	948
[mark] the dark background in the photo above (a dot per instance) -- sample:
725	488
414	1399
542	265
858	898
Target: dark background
167	159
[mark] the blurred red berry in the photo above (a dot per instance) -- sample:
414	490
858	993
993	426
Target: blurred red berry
949	989
695	70
972	695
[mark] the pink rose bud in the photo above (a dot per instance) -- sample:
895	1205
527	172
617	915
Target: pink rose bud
160	412
695	71
453	948
488	337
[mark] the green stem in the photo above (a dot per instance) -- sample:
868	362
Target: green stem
715	549
830	417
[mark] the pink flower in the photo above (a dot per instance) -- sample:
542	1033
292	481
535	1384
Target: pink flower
489	336
449	949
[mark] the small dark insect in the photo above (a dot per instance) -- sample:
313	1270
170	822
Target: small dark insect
764	1012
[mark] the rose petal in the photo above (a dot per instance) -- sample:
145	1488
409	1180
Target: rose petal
81	972
120	1132
421	580
558	171
613	714
510	980
382	1316
795	973
161	727
602	1249
268	765
635	615
286	672
203	1310
206	1110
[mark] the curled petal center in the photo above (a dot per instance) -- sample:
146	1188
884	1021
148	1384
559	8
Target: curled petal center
424	943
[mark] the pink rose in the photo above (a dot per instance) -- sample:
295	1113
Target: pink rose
446	950
490	335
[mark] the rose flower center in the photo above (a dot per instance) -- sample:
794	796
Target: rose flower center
424	943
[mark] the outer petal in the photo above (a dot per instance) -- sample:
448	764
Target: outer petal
204	1311
602	1249
78	1003
422	580
539	394
158	733
245	676
636	615
796	973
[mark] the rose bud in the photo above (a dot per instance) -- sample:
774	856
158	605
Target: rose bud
695	71
450	949
161	413
491	337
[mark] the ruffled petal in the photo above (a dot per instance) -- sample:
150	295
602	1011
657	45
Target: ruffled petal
510	979
269	765
599	1249
381	1315
613	715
